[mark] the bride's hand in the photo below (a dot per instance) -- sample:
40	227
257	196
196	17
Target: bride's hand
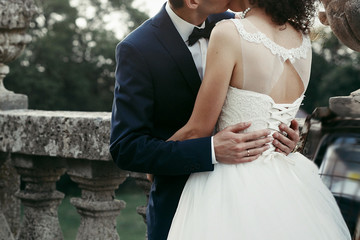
286	143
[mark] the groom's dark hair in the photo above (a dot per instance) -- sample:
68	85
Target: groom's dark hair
177	3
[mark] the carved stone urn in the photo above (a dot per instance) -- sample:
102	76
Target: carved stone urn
343	16
15	17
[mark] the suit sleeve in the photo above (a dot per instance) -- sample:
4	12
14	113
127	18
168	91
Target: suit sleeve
132	146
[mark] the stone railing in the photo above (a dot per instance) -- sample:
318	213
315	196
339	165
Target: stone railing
41	146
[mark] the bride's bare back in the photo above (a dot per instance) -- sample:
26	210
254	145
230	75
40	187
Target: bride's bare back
274	60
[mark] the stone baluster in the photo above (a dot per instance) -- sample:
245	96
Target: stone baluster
5	200
40	197
97	206
142	181
5	233
9	204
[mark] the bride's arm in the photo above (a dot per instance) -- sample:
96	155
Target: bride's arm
220	62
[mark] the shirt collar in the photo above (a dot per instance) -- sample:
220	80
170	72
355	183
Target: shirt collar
183	27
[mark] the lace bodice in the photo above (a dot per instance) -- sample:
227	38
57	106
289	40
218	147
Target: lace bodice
259	109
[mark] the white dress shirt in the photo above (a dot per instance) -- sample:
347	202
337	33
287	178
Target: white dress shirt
198	50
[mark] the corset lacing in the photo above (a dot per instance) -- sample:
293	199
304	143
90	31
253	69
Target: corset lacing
280	113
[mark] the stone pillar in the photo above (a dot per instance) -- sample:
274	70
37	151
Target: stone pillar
40	197
5	233
142	181
9	204
97	206
8	99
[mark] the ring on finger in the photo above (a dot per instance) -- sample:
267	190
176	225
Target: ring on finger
248	153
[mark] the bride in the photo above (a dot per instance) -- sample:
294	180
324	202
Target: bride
258	68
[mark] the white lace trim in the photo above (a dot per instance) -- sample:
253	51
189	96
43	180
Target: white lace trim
259	37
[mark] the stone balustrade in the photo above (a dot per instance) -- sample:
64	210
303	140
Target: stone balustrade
41	146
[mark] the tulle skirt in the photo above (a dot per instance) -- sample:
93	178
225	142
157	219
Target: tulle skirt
276	197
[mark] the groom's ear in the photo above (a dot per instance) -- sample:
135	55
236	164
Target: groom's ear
192	4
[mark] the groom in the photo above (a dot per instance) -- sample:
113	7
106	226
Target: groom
158	75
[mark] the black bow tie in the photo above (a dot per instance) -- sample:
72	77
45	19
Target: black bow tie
198	33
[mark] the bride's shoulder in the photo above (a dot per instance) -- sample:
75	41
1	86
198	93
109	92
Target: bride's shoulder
231	21
227	26
224	33
235	24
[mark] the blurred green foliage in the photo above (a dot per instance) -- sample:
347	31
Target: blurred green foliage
69	65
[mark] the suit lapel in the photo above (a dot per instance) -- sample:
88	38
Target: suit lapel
172	41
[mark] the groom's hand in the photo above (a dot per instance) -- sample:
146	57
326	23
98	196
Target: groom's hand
232	146
286	143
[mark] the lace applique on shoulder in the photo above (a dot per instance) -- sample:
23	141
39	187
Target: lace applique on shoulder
259	37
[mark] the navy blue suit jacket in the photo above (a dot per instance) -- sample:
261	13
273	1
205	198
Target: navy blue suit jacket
155	91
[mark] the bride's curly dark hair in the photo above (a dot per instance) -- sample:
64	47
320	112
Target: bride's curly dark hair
298	13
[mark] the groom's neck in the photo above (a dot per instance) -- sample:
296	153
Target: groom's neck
190	15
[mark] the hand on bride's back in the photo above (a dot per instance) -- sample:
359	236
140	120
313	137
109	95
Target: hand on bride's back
233	146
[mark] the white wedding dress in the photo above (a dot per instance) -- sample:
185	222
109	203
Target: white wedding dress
275	197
